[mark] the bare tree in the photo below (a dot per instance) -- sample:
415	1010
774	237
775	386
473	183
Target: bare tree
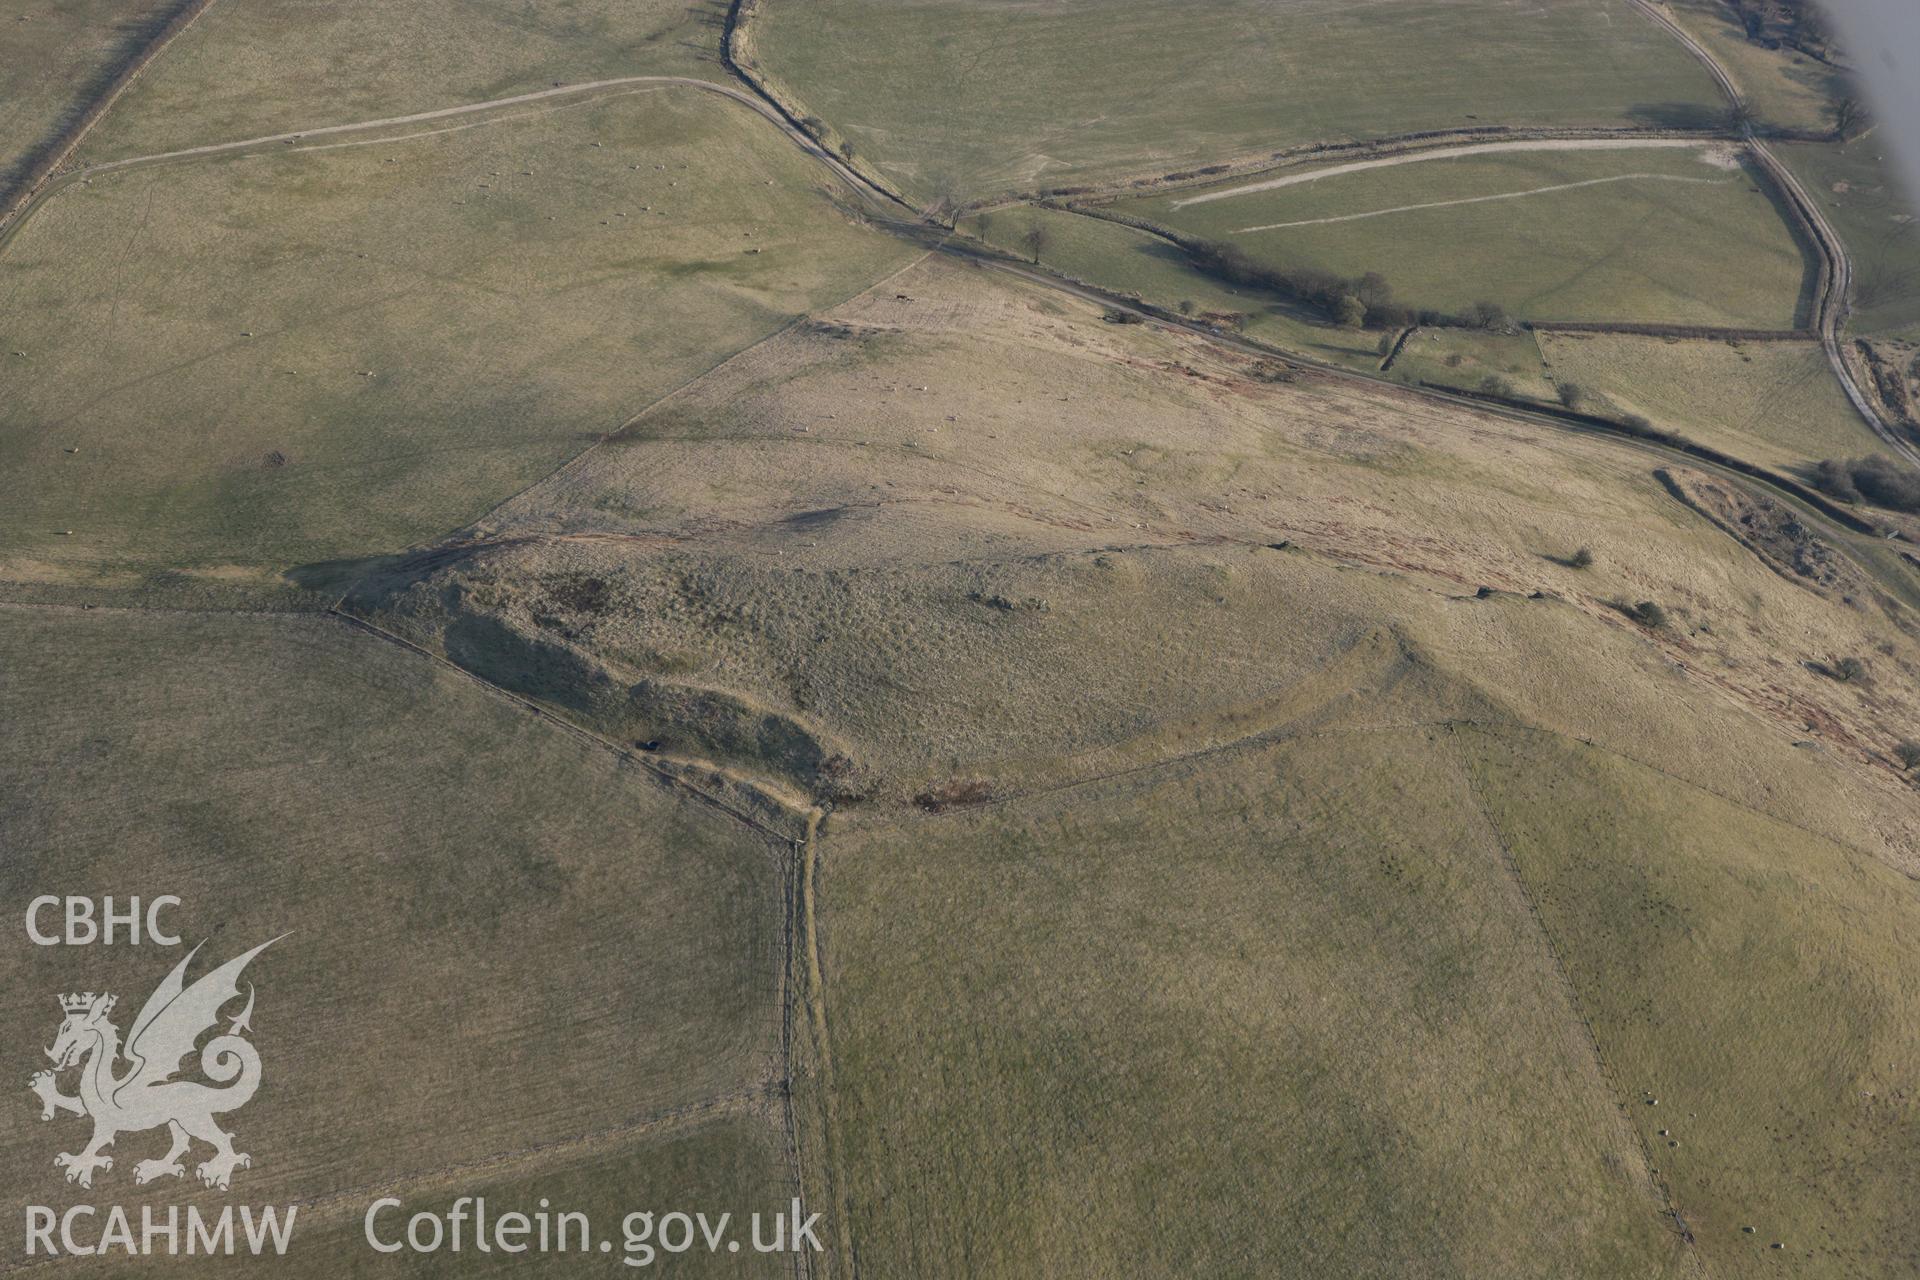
1849	117
1036	239
946	202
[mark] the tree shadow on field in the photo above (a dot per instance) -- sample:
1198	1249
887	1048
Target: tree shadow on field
1807	305
1258	301
1677	115
334	576
710	17
525	664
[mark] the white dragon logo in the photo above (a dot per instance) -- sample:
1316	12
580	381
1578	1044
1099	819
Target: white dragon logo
146	1095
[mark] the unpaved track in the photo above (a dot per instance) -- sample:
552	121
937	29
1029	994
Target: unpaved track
588	87
1449	153
1504	195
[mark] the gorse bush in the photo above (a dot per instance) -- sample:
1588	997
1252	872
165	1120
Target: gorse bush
1848	670
1875	479
1646	613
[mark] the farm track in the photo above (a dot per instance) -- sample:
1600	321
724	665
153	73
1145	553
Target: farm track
753	102
1486	199
937	238
1449	153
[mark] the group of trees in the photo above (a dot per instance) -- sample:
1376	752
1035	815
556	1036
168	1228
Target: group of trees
1364	301
1798	23
1874	479
1353	301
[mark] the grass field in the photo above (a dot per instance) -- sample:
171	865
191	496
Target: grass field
973	99
1225	873
1138	1009
249	70
53	56
719	706
1784	87
311	355
1654	235
1688	926
1775	403
1467	358
728	1164
501	937
1879	223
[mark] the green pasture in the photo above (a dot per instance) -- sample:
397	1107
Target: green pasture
235	365
947	98
276	66
1671	235
1774	403
1879	223
500	936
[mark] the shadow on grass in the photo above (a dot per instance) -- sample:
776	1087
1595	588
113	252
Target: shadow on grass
337	575
1677	115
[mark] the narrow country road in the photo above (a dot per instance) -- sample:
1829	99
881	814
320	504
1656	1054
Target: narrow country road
1836	298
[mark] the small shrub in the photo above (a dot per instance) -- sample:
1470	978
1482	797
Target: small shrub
1646	613
1849	670
1572	394
1907	752
1488	315
1581	559
954	792
1495	385
1186	306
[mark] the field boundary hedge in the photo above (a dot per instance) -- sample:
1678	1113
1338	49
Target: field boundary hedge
1674	330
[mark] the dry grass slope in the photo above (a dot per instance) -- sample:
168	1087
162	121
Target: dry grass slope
55	58
1236	1016
1225	754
